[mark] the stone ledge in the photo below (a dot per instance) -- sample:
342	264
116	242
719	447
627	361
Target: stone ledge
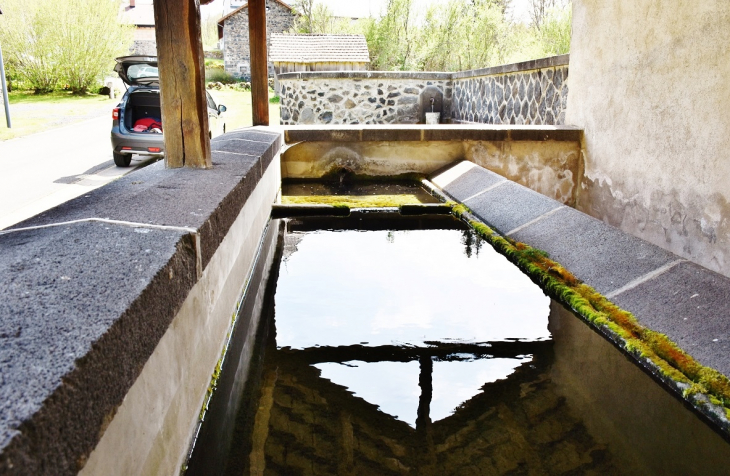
424	133
92	285
665	293
552	61
425	76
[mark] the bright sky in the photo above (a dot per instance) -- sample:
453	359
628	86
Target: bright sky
364	8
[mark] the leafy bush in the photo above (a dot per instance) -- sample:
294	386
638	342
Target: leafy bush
219	76
73	43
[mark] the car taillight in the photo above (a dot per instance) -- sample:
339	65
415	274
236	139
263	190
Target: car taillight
126	148
153	149
115	113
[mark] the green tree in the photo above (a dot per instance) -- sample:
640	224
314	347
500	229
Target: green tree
392	39
72	42
556	30
30	42
91	37
463	34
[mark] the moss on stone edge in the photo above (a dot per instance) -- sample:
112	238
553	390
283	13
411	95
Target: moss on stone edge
352	201
670	360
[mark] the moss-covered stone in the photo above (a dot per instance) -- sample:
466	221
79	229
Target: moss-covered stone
648	345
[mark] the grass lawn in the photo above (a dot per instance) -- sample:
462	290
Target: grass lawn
238	108
32	113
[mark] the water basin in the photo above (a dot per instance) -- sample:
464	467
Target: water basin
417	349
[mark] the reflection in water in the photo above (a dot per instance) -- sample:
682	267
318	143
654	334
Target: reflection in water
402	287
472	242
341	393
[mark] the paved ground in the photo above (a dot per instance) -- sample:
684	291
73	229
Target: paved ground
42	170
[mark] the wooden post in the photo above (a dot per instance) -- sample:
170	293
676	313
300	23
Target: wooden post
259	62
182	83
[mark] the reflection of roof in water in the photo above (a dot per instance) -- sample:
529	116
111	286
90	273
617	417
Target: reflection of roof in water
517	425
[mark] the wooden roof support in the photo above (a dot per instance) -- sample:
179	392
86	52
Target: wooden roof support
259	62
182	83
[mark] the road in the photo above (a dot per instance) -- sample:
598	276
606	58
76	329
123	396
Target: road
40	171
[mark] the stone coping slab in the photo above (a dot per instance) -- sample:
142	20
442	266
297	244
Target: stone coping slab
681	299
88	289
690	304
552	61
355	75
425	133
206	200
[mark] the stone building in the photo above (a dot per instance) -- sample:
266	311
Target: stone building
140	14
233	33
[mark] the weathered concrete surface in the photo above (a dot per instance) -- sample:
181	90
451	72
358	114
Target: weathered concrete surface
546	159
685	301
552	168
648	85
311	160
88	309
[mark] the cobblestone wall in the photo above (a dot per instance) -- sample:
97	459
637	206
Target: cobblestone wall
236	54
358	97
534	92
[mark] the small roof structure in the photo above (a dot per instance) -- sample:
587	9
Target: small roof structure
303	48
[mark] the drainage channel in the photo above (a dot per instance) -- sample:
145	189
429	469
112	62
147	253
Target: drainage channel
396	344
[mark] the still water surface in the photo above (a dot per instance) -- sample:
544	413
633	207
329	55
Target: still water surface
426	352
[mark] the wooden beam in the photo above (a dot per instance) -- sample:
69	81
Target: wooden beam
182	83
259	62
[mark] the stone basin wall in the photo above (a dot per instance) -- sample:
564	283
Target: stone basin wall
532	92
358	97
528	93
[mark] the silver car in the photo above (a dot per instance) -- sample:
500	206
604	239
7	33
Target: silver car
137	119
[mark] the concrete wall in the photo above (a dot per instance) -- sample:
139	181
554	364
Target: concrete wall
235	36
650	86
546	159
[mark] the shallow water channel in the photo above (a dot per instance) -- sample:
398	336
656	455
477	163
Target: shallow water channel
409	346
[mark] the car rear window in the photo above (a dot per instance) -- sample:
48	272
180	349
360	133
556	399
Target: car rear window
140	71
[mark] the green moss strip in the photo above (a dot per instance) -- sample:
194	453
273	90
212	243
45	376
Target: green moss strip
352	201
670	360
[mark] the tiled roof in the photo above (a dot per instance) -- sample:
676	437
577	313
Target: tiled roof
318	48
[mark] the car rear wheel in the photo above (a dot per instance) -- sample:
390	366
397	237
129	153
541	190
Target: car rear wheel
122	160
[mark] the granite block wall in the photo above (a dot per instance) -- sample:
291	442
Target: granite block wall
357	97
534	92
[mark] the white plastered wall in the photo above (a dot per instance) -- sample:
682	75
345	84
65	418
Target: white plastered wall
650	85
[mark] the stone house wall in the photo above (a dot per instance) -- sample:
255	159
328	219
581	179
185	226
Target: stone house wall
236	54
533	92
144	42
357	97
